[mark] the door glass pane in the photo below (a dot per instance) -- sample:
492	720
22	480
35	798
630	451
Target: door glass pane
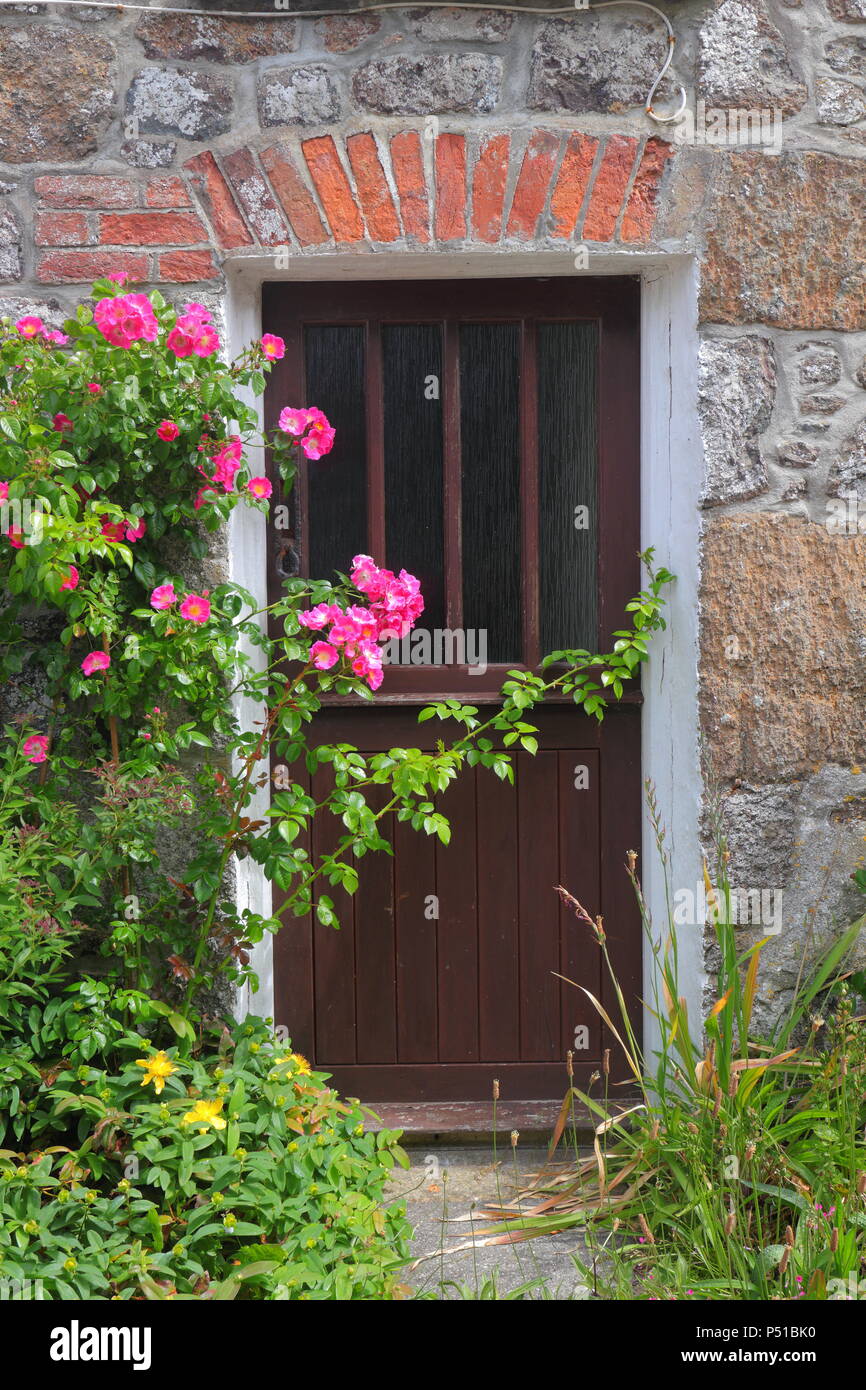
337	483
490	450
414	526
568	510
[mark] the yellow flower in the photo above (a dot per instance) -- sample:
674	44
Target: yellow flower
205	1112
156	1069
301	1064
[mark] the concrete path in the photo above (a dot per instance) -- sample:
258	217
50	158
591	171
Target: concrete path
445	1184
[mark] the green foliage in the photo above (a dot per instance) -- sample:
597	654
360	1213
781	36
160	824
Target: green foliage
245	1176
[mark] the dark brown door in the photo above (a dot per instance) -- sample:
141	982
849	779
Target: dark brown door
488	442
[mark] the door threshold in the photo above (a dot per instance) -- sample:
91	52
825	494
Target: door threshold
471	1122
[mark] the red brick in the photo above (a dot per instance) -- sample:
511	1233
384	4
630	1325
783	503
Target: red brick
640	213
333	188
252	192
218	202
75	267
377	204
151	229
450	187
533	182
168	192
608	191
181	267
407	163
571	184
296	200
488	188
85	191
61	229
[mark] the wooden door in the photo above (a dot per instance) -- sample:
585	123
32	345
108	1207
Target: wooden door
487	441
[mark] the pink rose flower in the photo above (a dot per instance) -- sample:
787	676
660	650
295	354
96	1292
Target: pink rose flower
324	656
126	319
320	616
195	609
193	334
54	336
168	431
95	661
118	277
259	487
62	423
112	530
292	422
135	533
4	492
30	326
35	748
71	580
15	537
318	443
94	388
163	596
273	347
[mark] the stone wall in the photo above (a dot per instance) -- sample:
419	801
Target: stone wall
171	145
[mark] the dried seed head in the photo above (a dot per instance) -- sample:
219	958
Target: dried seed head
861	1184
843	1069
789	1235
595	1076
817	1023
569	1065
718	1105
642	1221
515	1135
834	1239
692	1127
495	1090
631	860
731	1222
750	1151
783	1263
605	1061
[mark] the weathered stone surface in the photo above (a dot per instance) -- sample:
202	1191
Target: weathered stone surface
21	306
429	85
819	364
149	154
164	101
838	103
737	388
743	61
848	471
794	453
801	840
847	55
10	247
860	374
61	99
214	40
481	26
343	33
820	403
297	96
792	595
848	11
785	243
590	65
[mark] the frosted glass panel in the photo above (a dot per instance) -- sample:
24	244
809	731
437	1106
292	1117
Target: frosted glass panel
337	483
567	461
412	377
490	447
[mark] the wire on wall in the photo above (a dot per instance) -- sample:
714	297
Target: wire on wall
286	13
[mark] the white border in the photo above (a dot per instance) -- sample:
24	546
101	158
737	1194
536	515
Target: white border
671	472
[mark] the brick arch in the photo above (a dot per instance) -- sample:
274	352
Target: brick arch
549	188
